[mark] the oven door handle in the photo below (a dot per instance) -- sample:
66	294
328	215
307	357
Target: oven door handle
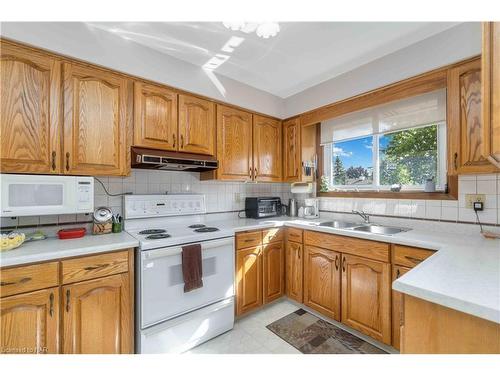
177	250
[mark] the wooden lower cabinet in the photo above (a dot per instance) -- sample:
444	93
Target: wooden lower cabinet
322	281
366	286
397	308
294	270
248	279
273	271
29	323
97	316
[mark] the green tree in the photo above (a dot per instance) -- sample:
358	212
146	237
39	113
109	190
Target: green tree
339	173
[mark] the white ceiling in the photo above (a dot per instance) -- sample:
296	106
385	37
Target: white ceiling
302	55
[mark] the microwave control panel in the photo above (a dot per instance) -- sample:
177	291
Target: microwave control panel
85	194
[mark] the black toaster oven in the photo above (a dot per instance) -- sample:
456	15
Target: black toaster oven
259	207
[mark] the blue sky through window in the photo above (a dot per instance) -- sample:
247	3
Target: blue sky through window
355	152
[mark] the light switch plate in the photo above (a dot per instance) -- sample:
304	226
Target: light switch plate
471	198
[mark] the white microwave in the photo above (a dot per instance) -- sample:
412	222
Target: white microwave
34	195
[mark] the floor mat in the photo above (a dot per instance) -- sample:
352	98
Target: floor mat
312	335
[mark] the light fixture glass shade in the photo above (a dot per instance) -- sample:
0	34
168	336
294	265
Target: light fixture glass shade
268	29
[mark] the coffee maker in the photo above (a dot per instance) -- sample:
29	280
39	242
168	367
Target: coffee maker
311	209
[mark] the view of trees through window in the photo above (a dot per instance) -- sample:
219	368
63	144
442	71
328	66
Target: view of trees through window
406	157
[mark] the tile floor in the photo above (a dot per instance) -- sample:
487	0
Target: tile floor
250	335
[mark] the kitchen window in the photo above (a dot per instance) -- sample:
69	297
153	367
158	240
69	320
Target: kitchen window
398	143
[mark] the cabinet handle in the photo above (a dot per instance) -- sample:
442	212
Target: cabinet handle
67	300
412	259
22	281
336	262
398	273
455	161
250	173
173	136
51	304
53	160
298	252
67	161
343	264
182	141
91	268
296	171
255	172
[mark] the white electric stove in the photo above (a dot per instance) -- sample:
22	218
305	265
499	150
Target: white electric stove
167	319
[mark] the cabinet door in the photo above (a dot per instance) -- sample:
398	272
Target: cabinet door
155	117
274	271
491	92
291	150
196	125
29	105
366	286
97	316
267	161
464	117
234	144
29	322
294	263
248	279
322	281
95	121
397	303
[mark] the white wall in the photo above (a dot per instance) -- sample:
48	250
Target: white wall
455	44
76	39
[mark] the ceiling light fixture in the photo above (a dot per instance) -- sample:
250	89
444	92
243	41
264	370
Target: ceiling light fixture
263	29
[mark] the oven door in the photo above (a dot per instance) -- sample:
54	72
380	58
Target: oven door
162	294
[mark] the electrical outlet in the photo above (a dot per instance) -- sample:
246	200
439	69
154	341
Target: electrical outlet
471	198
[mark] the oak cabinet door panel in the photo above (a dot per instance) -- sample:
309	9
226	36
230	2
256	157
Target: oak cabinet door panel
30	95
292	157
397	306
274	268
196	125
248	279
155	123
234	144
366	286
29	322
97	316
294	270
267	149
322	281
95	121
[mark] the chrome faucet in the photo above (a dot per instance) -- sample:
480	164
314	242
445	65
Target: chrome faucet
364	215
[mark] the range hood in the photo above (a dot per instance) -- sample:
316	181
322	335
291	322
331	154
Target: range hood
172	161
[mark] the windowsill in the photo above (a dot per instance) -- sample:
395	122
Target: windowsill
405	194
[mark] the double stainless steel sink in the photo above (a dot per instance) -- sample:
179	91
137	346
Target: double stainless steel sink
367	228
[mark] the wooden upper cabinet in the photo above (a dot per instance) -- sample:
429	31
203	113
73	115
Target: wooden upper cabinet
95	121
292	154
273	271
491	92
366	287
196	125
29	323
294	255
465	119
248	279
234	144
155	117
322	281
30	85
267	161
97	316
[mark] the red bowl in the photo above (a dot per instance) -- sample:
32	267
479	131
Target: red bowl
65	234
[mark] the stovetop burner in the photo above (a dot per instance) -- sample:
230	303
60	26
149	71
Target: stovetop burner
206	229
152	231
158	236
196	226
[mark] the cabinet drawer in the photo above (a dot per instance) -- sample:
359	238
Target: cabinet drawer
410	256
248	239
28	278
294	234
90	267
272	235
348	245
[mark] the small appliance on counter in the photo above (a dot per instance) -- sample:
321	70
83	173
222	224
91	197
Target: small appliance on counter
103	220
292	209
311	208
262	207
